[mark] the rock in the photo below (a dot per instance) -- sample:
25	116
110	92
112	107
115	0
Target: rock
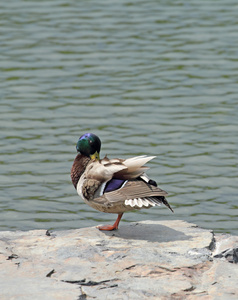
144	260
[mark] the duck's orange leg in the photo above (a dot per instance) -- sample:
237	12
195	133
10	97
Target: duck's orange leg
111	227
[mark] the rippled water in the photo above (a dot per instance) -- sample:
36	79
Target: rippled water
149	77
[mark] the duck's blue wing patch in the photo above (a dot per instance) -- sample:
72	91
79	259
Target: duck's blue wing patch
113	184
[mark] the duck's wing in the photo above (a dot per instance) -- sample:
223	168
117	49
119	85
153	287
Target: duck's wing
121	183
135	194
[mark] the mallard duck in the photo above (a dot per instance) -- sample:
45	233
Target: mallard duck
113	185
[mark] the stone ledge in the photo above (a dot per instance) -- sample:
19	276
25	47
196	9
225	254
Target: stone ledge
144	260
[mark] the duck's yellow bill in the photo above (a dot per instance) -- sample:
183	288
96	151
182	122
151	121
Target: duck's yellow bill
95	156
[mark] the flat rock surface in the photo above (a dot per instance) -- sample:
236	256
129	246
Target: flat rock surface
144	260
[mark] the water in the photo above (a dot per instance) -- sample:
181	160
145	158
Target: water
149	77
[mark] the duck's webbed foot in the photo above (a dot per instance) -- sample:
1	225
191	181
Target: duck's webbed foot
111	227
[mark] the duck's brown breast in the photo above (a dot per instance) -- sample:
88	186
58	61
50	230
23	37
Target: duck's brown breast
79	165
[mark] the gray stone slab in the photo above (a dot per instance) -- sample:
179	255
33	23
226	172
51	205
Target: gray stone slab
144	260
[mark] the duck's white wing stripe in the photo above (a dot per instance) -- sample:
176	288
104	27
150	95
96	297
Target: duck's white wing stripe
139	202
129	202
145	203
142	202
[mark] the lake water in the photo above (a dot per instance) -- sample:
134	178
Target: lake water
149	77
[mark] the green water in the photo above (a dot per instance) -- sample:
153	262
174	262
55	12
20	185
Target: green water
149	77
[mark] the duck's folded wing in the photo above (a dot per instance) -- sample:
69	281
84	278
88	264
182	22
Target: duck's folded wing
135	193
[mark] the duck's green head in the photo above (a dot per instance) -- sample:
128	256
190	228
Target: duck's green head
89	144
